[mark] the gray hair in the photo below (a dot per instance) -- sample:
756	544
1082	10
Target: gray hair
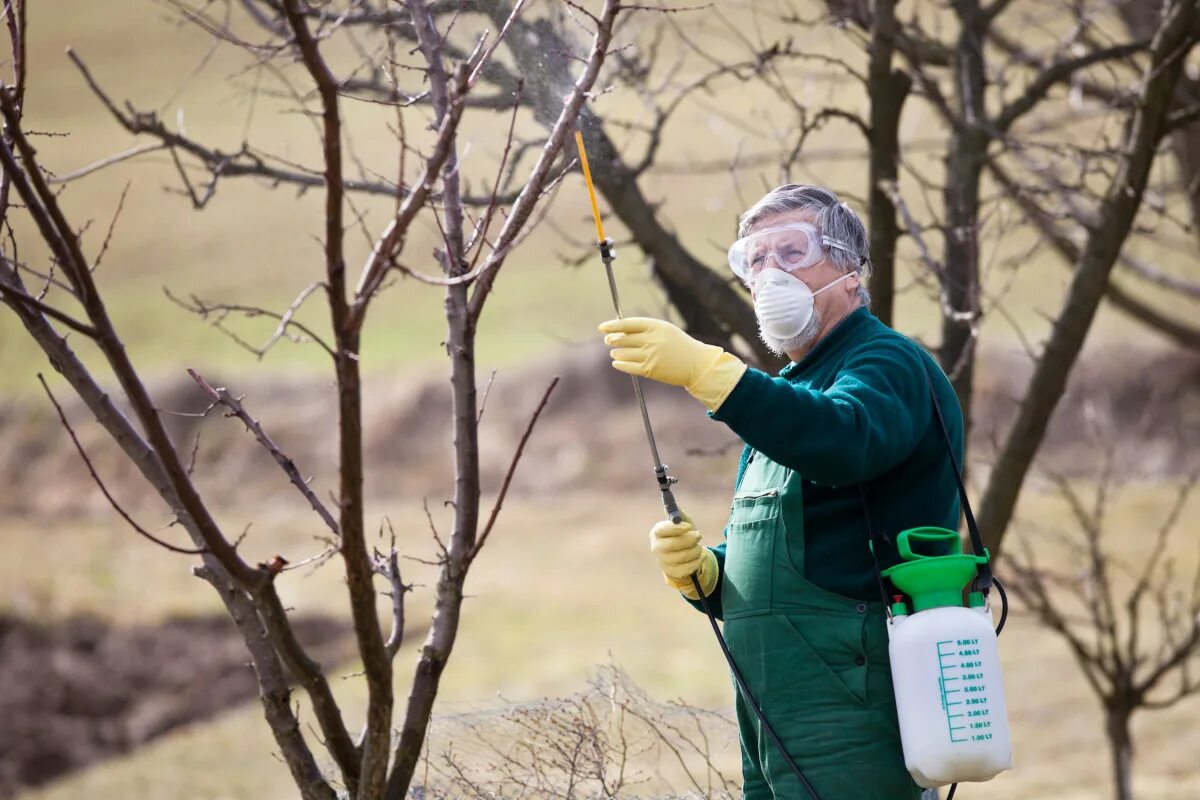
836	222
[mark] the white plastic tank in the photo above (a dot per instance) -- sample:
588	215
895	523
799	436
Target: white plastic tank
946	668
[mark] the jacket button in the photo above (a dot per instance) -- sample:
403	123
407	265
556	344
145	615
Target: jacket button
859	661
861	608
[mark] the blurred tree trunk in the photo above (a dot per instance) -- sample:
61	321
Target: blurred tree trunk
887	89
1120	743
1141	19
964	167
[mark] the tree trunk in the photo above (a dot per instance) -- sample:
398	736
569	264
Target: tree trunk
1141	19
888	90
1120	744
964	165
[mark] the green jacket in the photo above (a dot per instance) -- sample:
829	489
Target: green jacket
854	412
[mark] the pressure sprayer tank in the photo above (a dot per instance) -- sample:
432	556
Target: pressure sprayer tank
945	666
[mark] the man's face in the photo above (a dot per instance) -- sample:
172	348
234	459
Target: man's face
817	276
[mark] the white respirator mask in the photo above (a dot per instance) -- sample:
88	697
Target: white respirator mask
783	303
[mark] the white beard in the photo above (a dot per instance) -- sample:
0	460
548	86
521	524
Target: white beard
800	341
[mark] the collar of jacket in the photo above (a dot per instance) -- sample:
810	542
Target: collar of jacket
854	321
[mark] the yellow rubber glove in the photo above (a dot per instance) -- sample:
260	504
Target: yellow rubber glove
655	349
679	554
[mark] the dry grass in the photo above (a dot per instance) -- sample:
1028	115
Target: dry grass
564	586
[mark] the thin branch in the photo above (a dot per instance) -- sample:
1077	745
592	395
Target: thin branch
512	468
391	243
389	567
487	390
112	226
1057	73
17	296
486	56
108	161
204	309
222	396
111	500
44	207
532	191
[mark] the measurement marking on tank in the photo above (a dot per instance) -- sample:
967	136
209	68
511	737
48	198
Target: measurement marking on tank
949	661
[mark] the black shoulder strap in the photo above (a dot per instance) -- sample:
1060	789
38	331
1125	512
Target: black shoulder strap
984	582
872	539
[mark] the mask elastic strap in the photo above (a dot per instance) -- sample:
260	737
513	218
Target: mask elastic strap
832	283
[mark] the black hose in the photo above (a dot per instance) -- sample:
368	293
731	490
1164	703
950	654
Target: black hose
1003	607
999	627
749	698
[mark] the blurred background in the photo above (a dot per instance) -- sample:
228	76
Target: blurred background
120	675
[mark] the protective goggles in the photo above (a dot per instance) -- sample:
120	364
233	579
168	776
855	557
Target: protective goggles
790	247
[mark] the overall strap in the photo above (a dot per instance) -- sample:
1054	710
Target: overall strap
984	581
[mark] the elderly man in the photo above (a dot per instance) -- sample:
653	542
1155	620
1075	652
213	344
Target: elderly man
841	445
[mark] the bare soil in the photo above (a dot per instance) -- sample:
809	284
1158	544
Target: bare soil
83	690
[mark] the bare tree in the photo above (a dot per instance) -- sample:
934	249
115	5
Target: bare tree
1147	125
1132	628
373	764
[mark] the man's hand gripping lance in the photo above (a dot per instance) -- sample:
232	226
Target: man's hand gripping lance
608	255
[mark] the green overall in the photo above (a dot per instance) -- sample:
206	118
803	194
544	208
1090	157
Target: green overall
816	661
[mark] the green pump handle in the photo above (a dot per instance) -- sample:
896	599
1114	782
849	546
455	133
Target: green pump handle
933	534
927	534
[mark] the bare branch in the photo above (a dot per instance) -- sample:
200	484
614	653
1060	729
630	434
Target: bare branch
512	468
1058	73
96	166
388	565
391	243
12	295
219	311
261	640
222	396
43	206
532	192
372	770
103	490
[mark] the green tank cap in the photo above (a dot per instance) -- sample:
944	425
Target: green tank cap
976	600
933	581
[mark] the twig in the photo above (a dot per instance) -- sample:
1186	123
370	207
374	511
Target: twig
389	567
222	396
204	309
112	501
112	226
512	467
20	297
486	56
116	158
392	240
487	390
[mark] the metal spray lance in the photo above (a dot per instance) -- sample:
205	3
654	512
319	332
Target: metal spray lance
608	255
